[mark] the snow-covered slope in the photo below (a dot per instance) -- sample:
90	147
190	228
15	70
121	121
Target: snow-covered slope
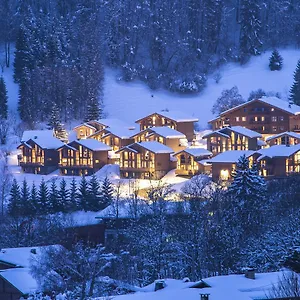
129	101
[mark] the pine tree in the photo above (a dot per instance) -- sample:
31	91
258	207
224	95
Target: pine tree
275	61
34	199
74	200
42	200
295	89
25	200
106	191
64	197
3	99
55	124
93	110
53	199
14	207
94	196
83	194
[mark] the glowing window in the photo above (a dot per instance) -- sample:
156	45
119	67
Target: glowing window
224	175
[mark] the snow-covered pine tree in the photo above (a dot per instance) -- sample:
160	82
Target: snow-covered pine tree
94	195
106	192
93	110
53	199
74	200
250	34
64	196
256	94
14	206
42	200
275	61
25	199
34	199
83	194
295	89
3	99
55	124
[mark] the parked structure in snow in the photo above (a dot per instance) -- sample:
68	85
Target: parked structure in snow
173	119
82	157
267	115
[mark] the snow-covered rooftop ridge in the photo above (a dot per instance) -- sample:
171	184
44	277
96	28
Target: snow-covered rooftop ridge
93	145
47	142
278	151
196	152
85	124
230	156
177	116
155	147
31	134
21	279
121	132
288	133
237	129
113	123
272	101
167	132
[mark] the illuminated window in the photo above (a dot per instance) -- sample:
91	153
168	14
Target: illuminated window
263	118
281	118
224	175
274	128
237	119
244	119
255	119
274	119
97	161
272	109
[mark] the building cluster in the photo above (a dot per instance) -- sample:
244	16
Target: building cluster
266	130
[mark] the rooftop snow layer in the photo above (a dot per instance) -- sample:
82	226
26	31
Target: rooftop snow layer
289	133
168	132
113	123
121	132
31	134
196	152
230	156
238	129
155	147
278	151
48	142
21	279
174	115
93	145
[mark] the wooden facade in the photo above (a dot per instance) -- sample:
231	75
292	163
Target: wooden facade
139	161
285	138
37	159
266	116
84	130
78	159
8	291
183	125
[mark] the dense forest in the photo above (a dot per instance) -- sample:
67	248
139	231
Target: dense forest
61	47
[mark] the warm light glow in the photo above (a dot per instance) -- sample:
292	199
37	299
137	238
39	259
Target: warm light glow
224	175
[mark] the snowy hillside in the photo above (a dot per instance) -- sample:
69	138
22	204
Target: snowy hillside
129	101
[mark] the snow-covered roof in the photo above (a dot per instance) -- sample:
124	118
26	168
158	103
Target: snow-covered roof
93	145
113	123
21	279
196	152
176	116
237	129
47	142
230	156
86	125
289	133
155	147
261	143
272	101
278	151
31	134
167	132
121	132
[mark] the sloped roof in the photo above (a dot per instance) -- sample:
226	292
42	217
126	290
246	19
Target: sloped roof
47	142
31	134
85	124
238	129
155	147
113	123
93	145
121	132
289	133
278	151
196	152
168	132
230	156
174	115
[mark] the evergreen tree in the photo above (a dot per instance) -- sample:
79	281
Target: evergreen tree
55	124
257	94
64	197
93	110
14	205
94	196
42	200
3	99
74	200
275	61
106	192
83	194
34	199
53	199
25	200
295	89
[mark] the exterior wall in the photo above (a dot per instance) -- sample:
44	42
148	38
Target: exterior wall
8	291
186	128
257	116
174	144
115	142
284	140
83	131
221	168
294	123
156	120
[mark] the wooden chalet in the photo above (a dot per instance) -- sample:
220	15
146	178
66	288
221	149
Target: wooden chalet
82	157
39	155
173	119
224	163
279	160
232	138
164	135
192	161
284	138
145	160
267	115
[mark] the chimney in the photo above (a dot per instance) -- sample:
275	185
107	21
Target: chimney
250	273
204	296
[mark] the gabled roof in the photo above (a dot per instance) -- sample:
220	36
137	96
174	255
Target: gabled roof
289	133
176	116
155	147
127	148
32	134
113	123
93	145
121	132
86	125
230	156
196	152
237	129
47	142
278	151
67	146
167	132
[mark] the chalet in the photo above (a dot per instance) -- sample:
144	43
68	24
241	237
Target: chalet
82	157
32	134
232	138
173	119
89	128
145	160
39	155
224	163
192	161
284	138
267	115
164	135
279	160
115	137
